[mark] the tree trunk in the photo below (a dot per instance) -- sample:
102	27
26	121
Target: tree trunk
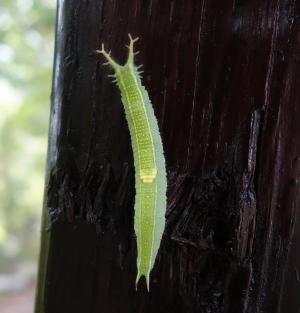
223	77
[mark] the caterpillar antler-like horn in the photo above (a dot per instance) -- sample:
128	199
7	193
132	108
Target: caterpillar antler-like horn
131	53
107	56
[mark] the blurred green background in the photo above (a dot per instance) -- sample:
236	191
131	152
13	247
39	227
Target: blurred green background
26	58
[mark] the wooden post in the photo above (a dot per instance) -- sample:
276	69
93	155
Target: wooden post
224	80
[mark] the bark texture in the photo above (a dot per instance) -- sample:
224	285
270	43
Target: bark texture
224	80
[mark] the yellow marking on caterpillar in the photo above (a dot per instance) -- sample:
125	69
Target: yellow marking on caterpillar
148	177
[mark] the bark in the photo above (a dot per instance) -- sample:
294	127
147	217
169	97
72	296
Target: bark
223	77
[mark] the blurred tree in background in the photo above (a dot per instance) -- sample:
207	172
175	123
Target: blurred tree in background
26	56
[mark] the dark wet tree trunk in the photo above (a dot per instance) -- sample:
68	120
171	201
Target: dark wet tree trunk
224	80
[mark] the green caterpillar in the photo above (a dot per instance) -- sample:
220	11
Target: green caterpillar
149	161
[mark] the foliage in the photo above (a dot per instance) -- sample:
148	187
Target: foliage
26	56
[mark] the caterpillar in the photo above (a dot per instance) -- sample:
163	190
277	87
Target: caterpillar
149	160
